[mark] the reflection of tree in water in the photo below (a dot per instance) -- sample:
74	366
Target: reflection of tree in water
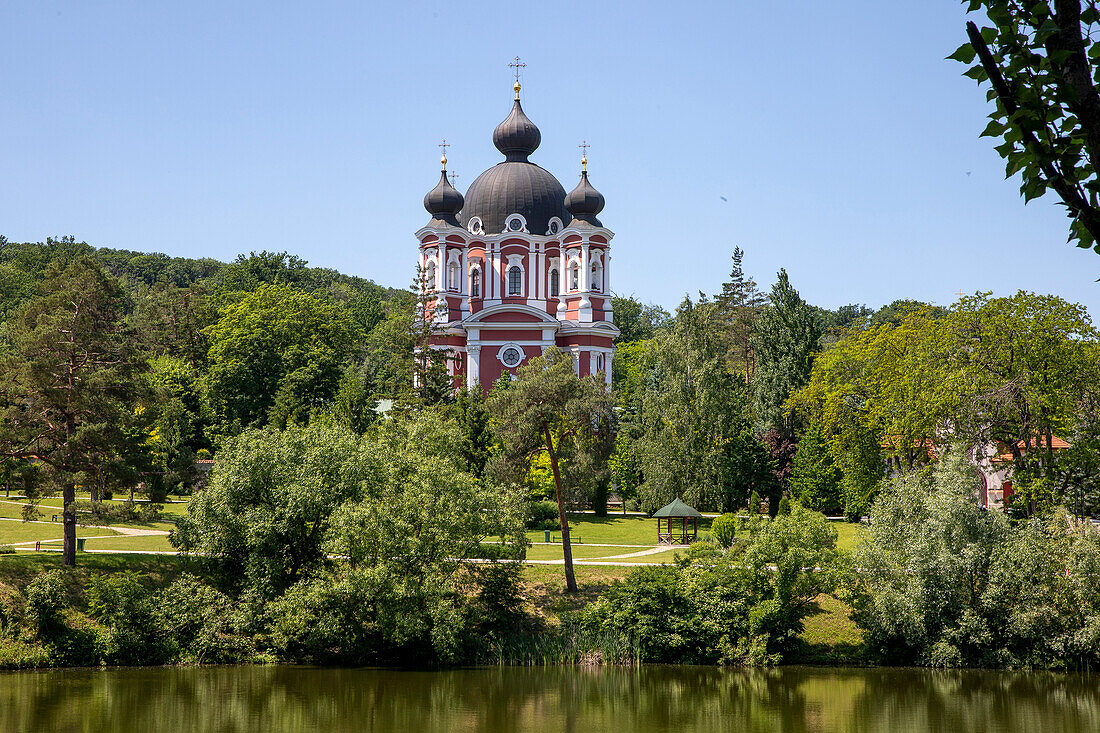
612	700
976	701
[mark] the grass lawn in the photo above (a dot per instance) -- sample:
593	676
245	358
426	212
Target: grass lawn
152	543
849	535
587	552
52	505
11	532
615	530
830	636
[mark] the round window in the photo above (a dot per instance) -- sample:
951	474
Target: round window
515	224
553	227
511	356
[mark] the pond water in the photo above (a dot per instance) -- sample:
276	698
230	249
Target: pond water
597	700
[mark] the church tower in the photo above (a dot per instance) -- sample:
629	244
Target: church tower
519	265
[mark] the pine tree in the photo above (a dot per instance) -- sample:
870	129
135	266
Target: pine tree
785	342
738	304
69	383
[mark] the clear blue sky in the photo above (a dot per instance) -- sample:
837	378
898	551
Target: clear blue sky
831	139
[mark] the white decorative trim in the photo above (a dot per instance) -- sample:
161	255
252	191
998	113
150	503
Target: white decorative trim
508	222
551	231
474	226
506	347
515	261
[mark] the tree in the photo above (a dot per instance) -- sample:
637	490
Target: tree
266	511
738	304
275	354
550	410
1040	61
815	479
636	320
70	382
696	439
785	342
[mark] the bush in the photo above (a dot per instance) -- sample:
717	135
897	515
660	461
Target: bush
7	549
784	506
724	529
743	607
46	604
101	512
201	624
543	515
128	633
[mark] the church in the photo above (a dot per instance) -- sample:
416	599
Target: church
517	265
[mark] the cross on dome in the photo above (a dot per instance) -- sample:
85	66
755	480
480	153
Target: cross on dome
443	158
584	146
517	65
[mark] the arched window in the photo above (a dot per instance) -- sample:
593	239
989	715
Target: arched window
475	284
574	276
515	280
555	283
452	276
429	276
597	277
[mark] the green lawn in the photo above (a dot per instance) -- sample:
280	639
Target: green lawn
11	532
615	530
848	535
587	552
152	543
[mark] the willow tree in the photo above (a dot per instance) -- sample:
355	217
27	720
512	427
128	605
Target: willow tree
68	385
551	411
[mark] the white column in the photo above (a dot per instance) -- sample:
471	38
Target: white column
473	364
441	267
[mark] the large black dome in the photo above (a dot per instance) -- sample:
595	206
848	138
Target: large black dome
515	187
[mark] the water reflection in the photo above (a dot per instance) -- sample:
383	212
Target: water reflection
792	700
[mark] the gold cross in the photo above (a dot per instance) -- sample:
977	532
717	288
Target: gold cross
584	146
517	65
444	145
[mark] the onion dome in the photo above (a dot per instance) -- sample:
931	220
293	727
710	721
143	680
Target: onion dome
517	137
584	201
443	202
516	185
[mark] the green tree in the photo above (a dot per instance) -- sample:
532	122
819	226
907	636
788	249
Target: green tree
785	342
815	479
550	410
738	304
266	511
1040	62
70	382
696	441
636	320
276	354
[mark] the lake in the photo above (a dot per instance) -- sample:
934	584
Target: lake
553	699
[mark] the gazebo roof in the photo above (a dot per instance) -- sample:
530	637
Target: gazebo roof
676	508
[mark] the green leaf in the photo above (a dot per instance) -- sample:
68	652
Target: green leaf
963	54
989	34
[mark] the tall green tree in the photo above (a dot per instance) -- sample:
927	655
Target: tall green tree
551	411
785	342
738	304
69	384
275	354
1040	61
696	440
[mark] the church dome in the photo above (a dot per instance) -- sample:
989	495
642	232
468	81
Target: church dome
515	186
443	202
584	202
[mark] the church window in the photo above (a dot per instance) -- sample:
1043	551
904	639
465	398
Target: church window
429	276
599	362
554	283
515	224
475	284
511	356
515	280
597	277
574	276
452	276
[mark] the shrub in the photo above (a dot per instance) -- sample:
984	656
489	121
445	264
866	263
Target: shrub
7	550
543	515
201	624
724	529
754	503
784	506
46	604
128	633
100	512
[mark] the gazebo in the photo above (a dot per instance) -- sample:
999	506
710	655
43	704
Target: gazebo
673	535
